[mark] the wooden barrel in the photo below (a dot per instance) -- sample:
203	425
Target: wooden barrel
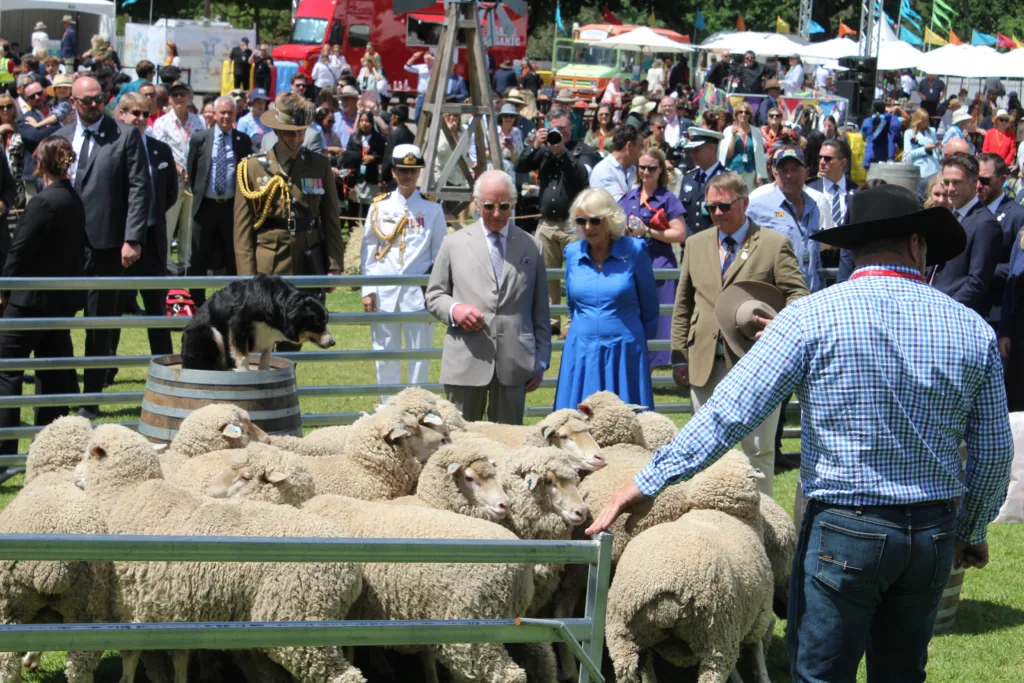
946	617
172	393
896	173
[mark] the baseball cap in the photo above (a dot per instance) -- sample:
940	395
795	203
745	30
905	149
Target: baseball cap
789	153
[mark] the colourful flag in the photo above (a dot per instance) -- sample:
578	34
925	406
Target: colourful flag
127	2
558	19
1004	41
698	21
954	39
609	17
933	38
979	38
781	26
942	14
845	30
650	18
814	27
909	37
909	16
740	26
1016	42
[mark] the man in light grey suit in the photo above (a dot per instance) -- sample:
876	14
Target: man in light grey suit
493	296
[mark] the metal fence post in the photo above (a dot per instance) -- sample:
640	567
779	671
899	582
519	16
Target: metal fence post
598	579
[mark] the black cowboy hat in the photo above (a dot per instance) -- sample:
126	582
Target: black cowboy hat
890	211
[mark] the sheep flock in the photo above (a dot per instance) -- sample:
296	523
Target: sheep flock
694	582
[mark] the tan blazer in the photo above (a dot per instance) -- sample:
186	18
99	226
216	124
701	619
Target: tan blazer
695	333
515	342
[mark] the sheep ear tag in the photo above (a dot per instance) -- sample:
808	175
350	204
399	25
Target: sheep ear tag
635	408
432	420
159	447
531	482
232	431
453	469
546	432
275	477
396	434
758	474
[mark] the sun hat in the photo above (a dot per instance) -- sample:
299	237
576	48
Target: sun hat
737	308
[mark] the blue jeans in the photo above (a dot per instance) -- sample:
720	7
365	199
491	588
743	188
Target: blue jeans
867	579
419	108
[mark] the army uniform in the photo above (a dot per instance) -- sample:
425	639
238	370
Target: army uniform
310	225
691	194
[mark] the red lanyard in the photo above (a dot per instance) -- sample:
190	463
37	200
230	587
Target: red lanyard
885	272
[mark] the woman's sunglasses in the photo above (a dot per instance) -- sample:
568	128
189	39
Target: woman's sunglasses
593	220
650	169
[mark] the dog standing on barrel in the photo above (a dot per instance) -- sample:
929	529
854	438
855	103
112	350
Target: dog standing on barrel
252	316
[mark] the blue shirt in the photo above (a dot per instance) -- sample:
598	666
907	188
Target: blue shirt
887	397
772	210
739	236
343	128
610	175
954	133
251	126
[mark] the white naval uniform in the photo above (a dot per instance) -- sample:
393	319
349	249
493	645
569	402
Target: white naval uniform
425	230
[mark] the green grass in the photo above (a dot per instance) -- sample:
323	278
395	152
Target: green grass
985	646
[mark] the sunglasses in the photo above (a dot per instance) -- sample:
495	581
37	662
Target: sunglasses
502	206
722	207
742	112
179	93
135	112
650	169
149	94
593	220
827	159
41	93
983	180
6	107
775	116
90	101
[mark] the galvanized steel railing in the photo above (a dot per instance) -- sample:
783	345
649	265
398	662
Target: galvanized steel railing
584	636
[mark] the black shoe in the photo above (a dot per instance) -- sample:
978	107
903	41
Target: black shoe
556	329
786	461
89	412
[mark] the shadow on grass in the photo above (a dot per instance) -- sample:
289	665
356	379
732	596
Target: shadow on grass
974	617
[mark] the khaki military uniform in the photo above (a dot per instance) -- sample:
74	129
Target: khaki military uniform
278	246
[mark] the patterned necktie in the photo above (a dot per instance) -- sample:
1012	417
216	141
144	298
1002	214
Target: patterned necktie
497	255
83	158
220	178
837	212
730	253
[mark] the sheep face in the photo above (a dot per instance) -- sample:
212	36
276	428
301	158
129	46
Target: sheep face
478	483
435	423
118	456
414	440
216	427
558	495
265	474
574	438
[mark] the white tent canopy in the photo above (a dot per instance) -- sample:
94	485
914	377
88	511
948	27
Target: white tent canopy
1013	64
104	8
763	44
896	54
837	48
965	61
644	39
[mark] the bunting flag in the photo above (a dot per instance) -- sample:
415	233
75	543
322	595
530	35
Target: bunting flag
845	30
979	38
650	18
814	27
1016	42
910	38
909	15
1004	41
698	21
558	19
954	39
781	26
610	18
740	26
942	14
933	38
126	3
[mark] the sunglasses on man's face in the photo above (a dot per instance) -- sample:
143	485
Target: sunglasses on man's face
985	180
501	206
90	101
34	95
723	207
827	159
150	94
593	220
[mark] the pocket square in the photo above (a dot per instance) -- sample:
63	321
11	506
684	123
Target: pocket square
162	166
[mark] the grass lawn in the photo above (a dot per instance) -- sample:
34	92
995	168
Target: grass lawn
985	646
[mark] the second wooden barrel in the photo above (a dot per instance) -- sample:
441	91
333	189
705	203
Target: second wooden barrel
172	393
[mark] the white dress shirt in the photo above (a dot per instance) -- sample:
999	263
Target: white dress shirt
229	192
673	130
610	175
78	141
827	186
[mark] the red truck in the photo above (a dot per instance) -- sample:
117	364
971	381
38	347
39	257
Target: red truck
354	23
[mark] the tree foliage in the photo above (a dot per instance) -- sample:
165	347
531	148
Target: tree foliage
271	17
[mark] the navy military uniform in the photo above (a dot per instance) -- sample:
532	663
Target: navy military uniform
691	191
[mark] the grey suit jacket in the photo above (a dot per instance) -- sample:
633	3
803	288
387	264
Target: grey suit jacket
515	342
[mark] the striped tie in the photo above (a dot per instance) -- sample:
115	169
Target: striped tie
220	178
497	255
730	254
837	211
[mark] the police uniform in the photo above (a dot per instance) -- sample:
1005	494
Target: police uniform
691	192
401	236
287	217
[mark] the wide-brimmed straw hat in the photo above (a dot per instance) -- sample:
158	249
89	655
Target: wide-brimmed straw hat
60	81
739	305
891	211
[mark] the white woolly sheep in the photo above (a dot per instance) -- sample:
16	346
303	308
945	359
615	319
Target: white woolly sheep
462	478
451	414
436	591
320	443
780	538
382	460
59	447
658	430
216	427
696	589
120	474
566	429
256	472
612	420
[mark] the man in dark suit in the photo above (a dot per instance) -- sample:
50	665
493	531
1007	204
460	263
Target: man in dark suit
992	173
35	95
835	184
968	277
112	177
240	56
133	109
213	155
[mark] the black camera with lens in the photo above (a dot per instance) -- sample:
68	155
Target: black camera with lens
554	136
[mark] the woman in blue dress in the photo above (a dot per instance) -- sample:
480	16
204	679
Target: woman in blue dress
614	308
656	215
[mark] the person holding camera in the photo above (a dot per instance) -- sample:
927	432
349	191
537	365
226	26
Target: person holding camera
562	170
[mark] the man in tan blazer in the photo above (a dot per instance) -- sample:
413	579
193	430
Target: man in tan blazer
737	250
489	286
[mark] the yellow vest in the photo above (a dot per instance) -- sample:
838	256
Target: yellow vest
5	71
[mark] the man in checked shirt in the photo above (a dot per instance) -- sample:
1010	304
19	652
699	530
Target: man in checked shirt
892	375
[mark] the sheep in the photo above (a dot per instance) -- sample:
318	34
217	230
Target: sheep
215	427
613	421
320	443
436	591
451	414
698	588
462	478
59	447
256	472
658	430
566	429
123	475
780	538
382	460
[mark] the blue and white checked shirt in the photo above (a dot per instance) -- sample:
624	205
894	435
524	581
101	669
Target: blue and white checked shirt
891	376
